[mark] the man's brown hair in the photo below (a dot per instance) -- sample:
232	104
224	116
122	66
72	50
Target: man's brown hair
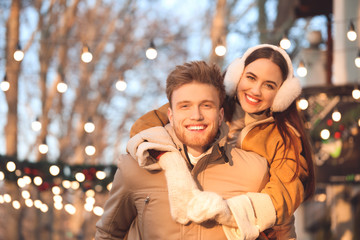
196	71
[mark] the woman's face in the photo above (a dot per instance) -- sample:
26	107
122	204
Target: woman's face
258	85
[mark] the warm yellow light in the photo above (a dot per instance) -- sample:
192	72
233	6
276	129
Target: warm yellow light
38	181
351	34
220	50
301	70
151	52
25	194
80	177
58	205
21	183
61	87
43	148
11	166
27	179
44	208
90	150
86	55
37	203
325	134
90	193
19	55
75	185
100	175
89	127
5	85
16	204
36	125
98	211
70	209
7	198
285	43
29	202
356	93
336	116
88	207
57	198
54	170
109	186
56	190
66	184
2	176
121	85
303	104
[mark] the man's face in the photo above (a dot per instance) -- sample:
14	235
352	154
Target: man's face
195	115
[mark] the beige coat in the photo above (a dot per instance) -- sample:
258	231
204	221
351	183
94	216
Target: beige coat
138	202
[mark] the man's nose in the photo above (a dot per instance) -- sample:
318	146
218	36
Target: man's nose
196	114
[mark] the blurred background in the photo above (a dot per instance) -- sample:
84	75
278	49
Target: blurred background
76	74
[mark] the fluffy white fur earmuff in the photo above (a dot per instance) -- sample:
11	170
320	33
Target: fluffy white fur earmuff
289	90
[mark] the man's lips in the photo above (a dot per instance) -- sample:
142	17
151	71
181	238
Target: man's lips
196	127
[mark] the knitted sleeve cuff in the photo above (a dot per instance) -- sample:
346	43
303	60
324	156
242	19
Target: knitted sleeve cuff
264	209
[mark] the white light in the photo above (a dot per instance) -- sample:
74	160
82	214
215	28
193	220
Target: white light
121	85
351	35
29	202
2	176
70	209
90	193
90	150
21	183
61	87
109	186
44	208
7	198
100	175
57	198
86	55
66	184
80	177
43	148
75	185
301	70
90	200
220	50
36	125
11	166
89	127
303	104
325	134
356	93
16	204
151	53
54	170
37	203
38	181
285	43
58	205
25	194
18	55
336	116
5	85
357	62
1	199
27	180
98	211
56	190
88	207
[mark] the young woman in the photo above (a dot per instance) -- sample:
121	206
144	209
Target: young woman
262	117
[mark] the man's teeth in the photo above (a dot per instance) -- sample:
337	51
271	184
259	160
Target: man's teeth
196	127
252	99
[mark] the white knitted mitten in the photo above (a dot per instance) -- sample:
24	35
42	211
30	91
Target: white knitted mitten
209	205
243	212
181	185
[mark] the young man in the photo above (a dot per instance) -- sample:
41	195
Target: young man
147	203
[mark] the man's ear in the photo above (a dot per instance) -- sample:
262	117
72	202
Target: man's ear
170	116
221	115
